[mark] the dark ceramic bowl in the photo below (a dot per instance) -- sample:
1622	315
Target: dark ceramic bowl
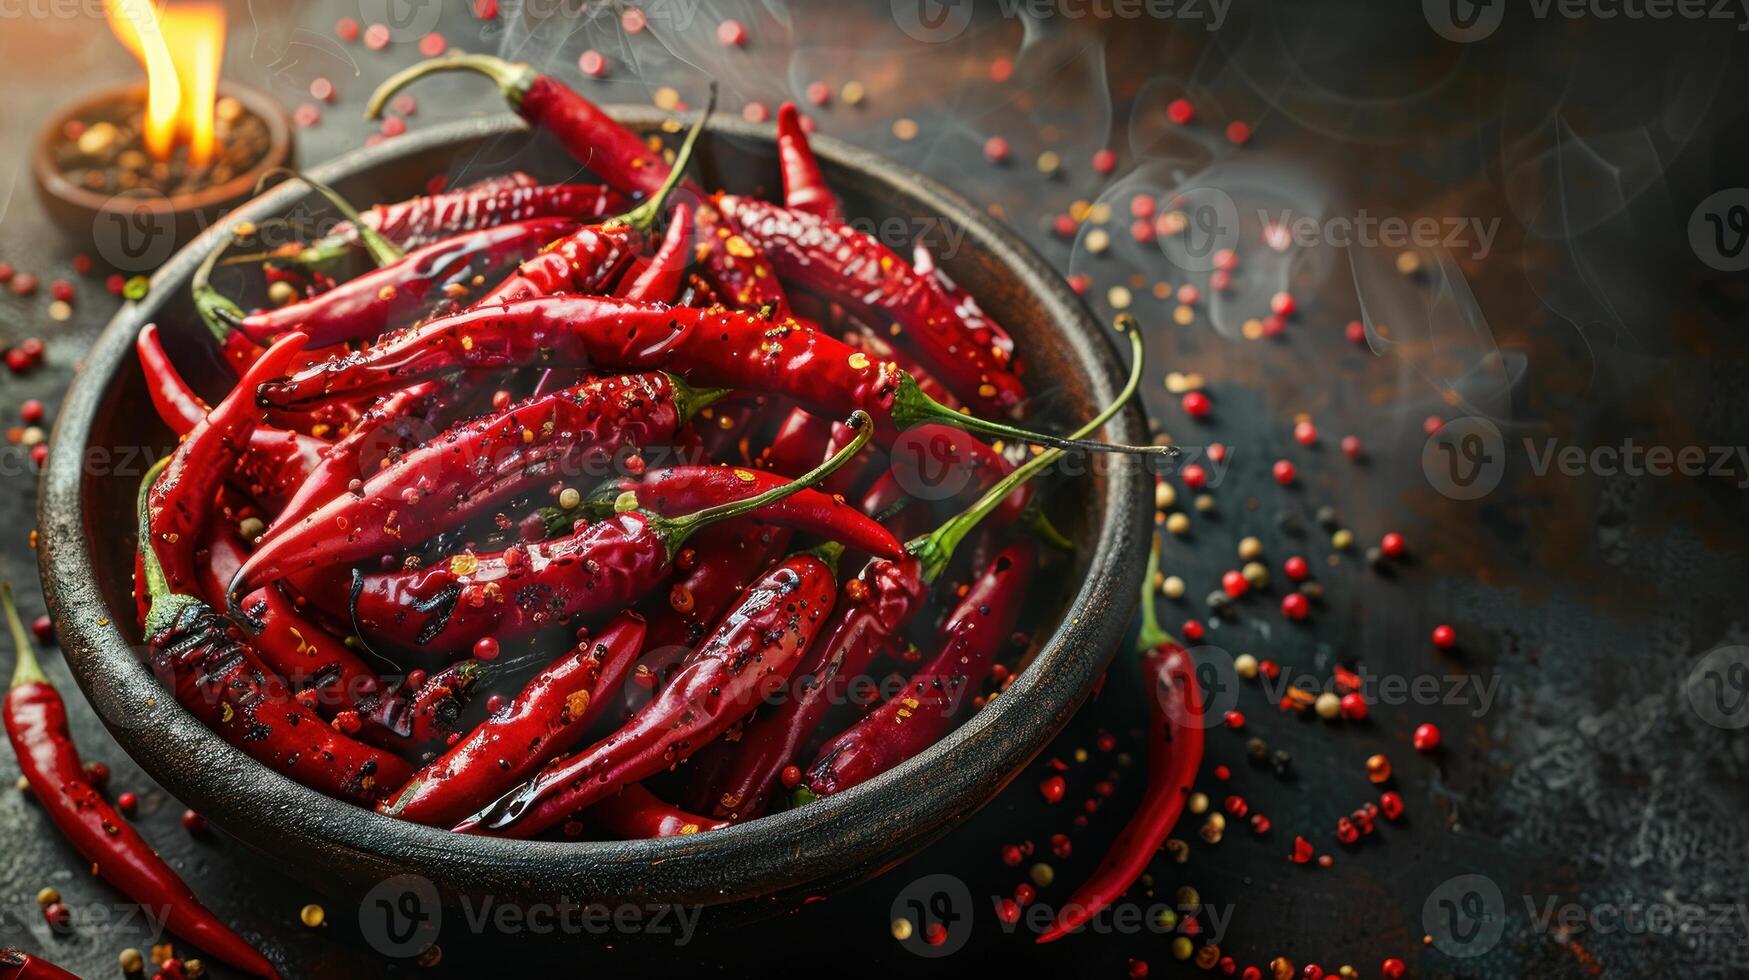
87	554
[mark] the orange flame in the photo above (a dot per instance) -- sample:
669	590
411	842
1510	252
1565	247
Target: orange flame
181	49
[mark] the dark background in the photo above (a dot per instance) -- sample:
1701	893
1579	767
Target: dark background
1600	777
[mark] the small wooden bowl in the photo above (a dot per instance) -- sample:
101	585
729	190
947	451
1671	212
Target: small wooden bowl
136	233
107	435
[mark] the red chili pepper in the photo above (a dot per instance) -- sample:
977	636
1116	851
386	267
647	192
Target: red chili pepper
735	269
383	429
714	569
949	462
804	186
876	607
967	308
798	442
917	718
36	724
298	651
660	279
277	462
413	723
635	813
365	307
715	346
754	647
549	717
16	964
476	465
511	594
855	270
1175	725
677	490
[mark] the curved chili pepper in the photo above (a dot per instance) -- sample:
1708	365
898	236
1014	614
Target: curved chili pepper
876	607
419	718
964	305
549	717
276	463
510	594
298	651
16	964
383	429
797	443
917	718
713	571
362	308
419	221
680	489
635	813
804	186
36	724
855	270
1175	727
660	280
754	647
476	465
735	269
715	346
945	458
201	657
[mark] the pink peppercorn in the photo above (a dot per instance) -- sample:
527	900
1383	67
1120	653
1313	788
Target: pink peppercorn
1392	545
62	290
593	64
1284	472
31	411
1180	111
1426	738
321	89
1351	447
995	149
1296	568
1295	606
1238	132
817	93
1104	161
1196	404
346	29
1444	637
1194	476
1305	433
731	34
755	112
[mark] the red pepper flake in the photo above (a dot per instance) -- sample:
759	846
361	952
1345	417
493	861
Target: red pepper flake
394	126
1078	284
1391	805
1053	788
1024	893
376	37
43	628
1001	70
1295	606
1012	855
730	34
1106	742
1302	851
116	283
1238	132
81	263
1432	424
1284	472
1354	706
1273	325
1104	788
486	9
1312	971
346	29
1426	737
1235	806
1444	637
57	916
1138	969
818	93
24	283
61	290
1060	845
1392	969
306	115
432	45
406	104
1283	304
1269	669
1142	206
1008	910
756	112
6	272
593	64
1222	773
1259	823
1180	111
995	149
1345	832
1104	161
1196	405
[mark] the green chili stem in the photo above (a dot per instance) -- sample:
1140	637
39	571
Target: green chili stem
690	400
644	215
934	549
27	670
513	78
382	251
1151	635
676	529
164	604
911	407
213	306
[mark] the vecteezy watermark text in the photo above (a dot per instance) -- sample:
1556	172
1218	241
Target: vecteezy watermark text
1469	234
938	21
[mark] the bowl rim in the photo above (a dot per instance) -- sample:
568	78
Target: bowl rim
837	838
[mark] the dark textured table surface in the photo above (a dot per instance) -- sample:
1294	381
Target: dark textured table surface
1571	292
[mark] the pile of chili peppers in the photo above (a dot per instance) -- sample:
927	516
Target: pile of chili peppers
466	543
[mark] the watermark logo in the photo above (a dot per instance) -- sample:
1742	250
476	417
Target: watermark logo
407	20
1465	916
1718	230
1718	687
401	916
1217	680
932	916
1465	234
135	232
1211	226
933	462
932	21
1465	459
1464	21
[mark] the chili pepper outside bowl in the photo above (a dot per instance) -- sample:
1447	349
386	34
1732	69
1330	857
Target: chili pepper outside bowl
107	435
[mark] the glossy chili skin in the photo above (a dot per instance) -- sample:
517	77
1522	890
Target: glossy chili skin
397	293
804	186
798	444
473	467
706	346
735	268
1175	727
753	648
854	269
713	569
16	964
276	463
873	610
676	490
422	220
36	725
312	662
659	281
548	717
635	813
413	723
587	260
509	595
980	625
935	462
386	428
